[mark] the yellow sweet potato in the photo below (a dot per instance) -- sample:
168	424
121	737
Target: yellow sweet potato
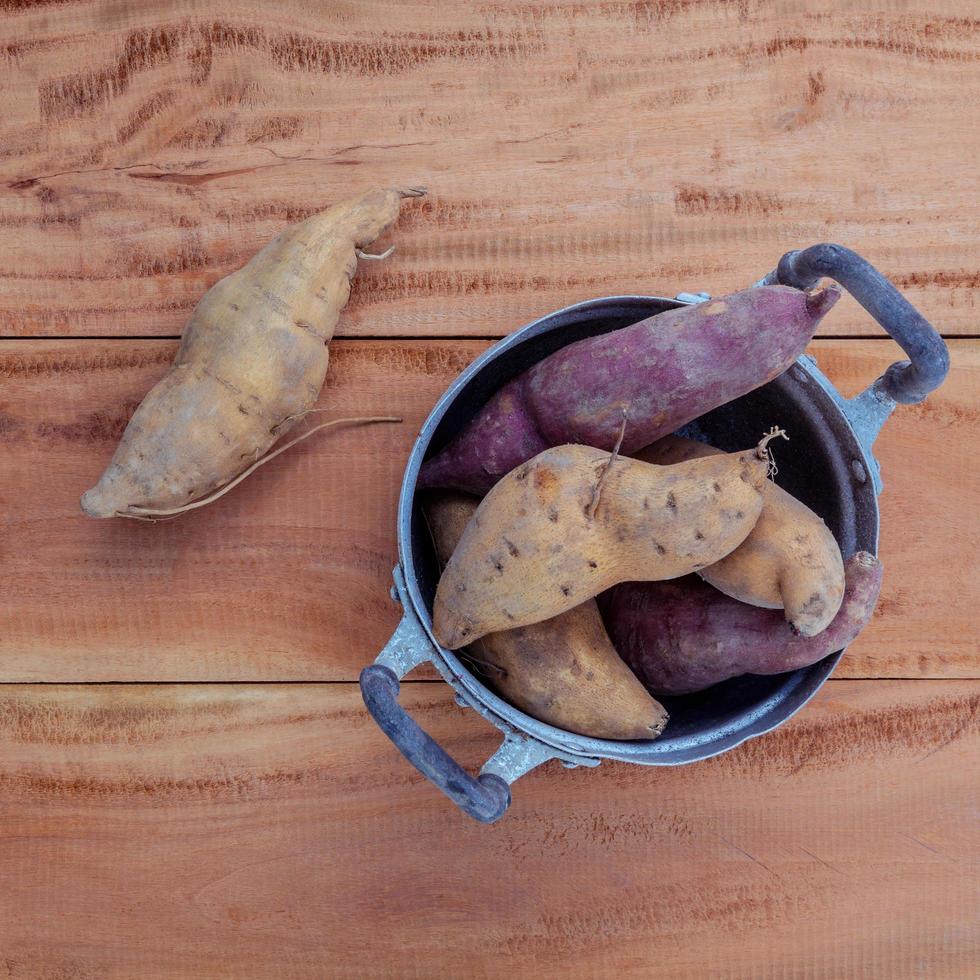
574	521
252	362
789	561
562	671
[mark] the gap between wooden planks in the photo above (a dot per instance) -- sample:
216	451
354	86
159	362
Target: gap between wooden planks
225	831
572	150
287	577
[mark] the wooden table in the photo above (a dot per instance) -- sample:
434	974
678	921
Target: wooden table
189	785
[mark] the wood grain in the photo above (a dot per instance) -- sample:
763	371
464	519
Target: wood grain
287	577
273	831
573	149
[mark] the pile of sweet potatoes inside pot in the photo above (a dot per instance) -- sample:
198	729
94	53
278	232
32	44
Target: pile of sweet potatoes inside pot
593	559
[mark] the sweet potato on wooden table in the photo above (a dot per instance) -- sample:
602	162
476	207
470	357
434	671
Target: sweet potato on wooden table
563	671
251	364
789	561
575	520
664	372
685	635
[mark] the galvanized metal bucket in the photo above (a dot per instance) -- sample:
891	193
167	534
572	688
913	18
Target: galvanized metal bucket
831	468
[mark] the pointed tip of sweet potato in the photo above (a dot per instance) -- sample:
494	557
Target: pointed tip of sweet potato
95	503
821	300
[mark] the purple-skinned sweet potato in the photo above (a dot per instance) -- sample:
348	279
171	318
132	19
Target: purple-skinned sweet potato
662	372
684	635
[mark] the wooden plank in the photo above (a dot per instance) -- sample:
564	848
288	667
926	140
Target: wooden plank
273	831
573	150
925	624
287	577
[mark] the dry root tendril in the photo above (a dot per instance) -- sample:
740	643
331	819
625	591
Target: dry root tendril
484	667
764	452
147	513
369	255
597	493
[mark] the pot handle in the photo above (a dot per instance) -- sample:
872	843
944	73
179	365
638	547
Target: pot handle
908	381
485	798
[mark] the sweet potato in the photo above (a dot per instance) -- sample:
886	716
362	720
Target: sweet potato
685	635
563	671
789	561
664	371
252	362
574	521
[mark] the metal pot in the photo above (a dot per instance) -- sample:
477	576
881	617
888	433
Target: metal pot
831	468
